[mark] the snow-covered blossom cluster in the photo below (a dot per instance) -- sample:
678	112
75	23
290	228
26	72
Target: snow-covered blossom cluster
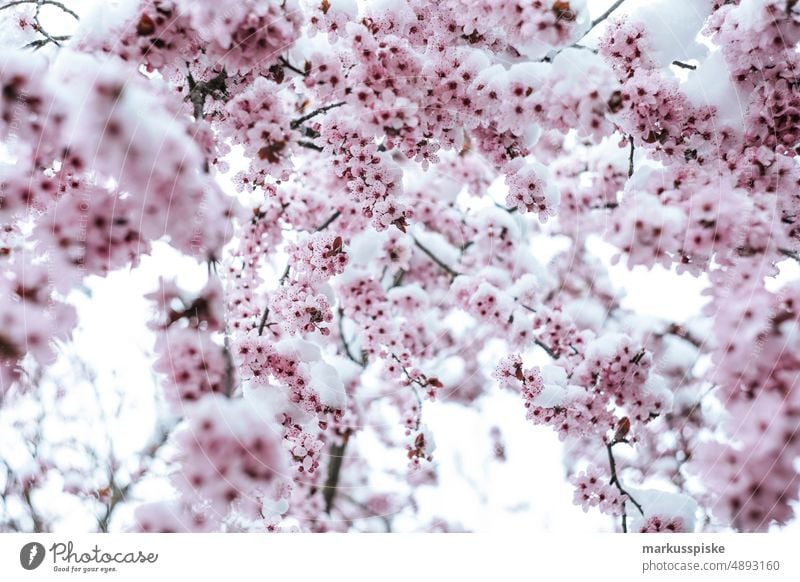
374	190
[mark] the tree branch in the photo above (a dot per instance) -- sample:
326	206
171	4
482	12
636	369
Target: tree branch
684	65
546	348
549	58
630	157
604	15
283	61
334	469
328	222
616	482
38	523
120	494
41	3
295	123
450	271
344	341
790	253
679	331
309	145
230	372
199	90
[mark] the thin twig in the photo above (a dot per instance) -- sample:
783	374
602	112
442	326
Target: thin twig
334	469
616	482
328	222
344	341
546	348
263	322
550	57
309	145
684	65
283	61
39	43
450	271
37	25
41	3
120	494
630	157
604	15
230	371
790	253
199	90
295	123
679	331
509	210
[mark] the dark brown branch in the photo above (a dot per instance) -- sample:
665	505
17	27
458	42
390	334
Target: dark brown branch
334	469
39	43
330	221
301	120
585	48
630	157
616	482
199	90
230	371
411	382
606	206
344	341
38	522
546	348
679	331
684	65
263	322
509	210
790	253
283	61
450	271
309	145
397	280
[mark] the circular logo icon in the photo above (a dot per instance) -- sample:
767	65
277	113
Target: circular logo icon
31	555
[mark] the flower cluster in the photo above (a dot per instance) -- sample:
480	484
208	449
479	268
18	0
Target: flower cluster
226	459
592	489
374	181
244	37
317	257
300	309
77	249
32	320
194	366
257	120
528	191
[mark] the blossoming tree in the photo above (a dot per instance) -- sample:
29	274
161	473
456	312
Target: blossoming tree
366	185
